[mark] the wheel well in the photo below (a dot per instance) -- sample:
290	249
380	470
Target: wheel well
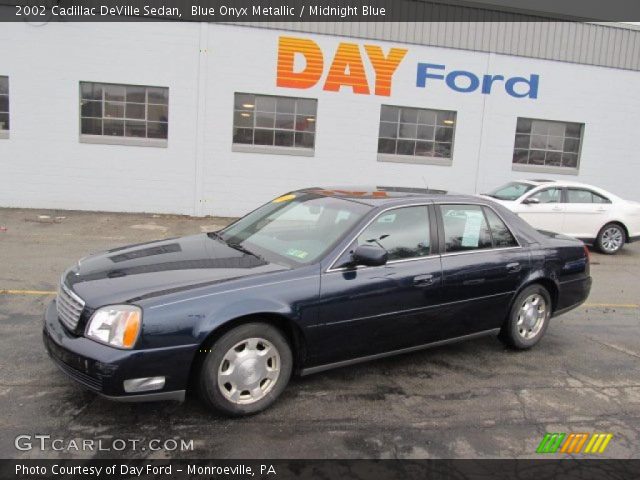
616	222
546	283
288	328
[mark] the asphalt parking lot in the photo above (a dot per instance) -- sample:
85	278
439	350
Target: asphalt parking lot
474	399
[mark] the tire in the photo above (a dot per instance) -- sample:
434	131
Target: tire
236	378
611	238
523	329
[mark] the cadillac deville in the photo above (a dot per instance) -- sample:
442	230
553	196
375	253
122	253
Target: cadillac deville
315	279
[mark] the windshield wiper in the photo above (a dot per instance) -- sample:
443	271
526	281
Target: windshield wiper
240	248
235	246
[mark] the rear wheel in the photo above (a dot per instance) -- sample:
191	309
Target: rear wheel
528	318
246	369
611	238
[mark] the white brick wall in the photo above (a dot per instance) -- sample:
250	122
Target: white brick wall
44	165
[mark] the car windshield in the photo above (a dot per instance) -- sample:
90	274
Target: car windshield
298	228
511	191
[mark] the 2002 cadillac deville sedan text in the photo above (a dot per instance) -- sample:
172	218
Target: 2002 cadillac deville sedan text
315	279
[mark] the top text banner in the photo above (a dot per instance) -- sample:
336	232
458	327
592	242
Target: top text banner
318	11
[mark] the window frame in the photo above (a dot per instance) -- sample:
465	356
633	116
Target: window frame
123	140
441	233
545	188
434	246
5	133
565	196
428	226
521	167
274	149
416	159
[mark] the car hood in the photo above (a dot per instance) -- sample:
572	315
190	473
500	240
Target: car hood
135	272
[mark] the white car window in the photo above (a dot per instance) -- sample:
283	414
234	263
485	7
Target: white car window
575	195
548	195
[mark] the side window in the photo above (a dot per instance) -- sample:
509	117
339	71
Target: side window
575	195
403	232
599	198
579	196
548	195
465	228
502	236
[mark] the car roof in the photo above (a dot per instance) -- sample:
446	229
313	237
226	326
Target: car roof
383	195
560	183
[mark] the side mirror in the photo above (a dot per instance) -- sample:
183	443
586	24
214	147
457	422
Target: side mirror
531	201
369	255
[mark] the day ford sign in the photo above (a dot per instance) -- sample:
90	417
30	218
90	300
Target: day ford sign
347	69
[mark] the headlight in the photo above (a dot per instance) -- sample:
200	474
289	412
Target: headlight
116	325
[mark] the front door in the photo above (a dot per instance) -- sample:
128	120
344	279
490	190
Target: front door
547	213
370	310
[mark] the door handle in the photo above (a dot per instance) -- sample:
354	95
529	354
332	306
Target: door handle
423	280
514	267
475	281
557	209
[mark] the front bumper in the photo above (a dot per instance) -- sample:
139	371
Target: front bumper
103	369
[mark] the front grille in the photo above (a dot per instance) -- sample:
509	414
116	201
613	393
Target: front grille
69	307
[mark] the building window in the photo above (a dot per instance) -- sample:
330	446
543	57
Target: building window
4	107
124	114
416	135
265	123
547	145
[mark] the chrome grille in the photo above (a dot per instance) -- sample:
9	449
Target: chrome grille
69	307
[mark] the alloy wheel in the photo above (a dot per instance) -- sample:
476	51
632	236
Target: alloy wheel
612	239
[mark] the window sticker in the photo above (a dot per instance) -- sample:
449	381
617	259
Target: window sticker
294	252
284	198
471	235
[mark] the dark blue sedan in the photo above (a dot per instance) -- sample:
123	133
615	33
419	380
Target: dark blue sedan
315	279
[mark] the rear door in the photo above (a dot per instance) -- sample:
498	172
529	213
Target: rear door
548	213
482	267
369	310
585	212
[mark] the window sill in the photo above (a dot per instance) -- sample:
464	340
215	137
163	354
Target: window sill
131	141
518	167
385	157
4	133
300	152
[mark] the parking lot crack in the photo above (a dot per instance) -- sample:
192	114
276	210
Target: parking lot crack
615	347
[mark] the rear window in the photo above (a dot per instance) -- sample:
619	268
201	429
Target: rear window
575	195
465	228
502	236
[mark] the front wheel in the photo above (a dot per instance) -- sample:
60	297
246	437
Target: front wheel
610	238
246	369
528	318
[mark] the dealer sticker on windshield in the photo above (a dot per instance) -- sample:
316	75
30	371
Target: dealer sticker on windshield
301	254
284	198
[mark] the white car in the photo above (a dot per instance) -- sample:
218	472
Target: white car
593	215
